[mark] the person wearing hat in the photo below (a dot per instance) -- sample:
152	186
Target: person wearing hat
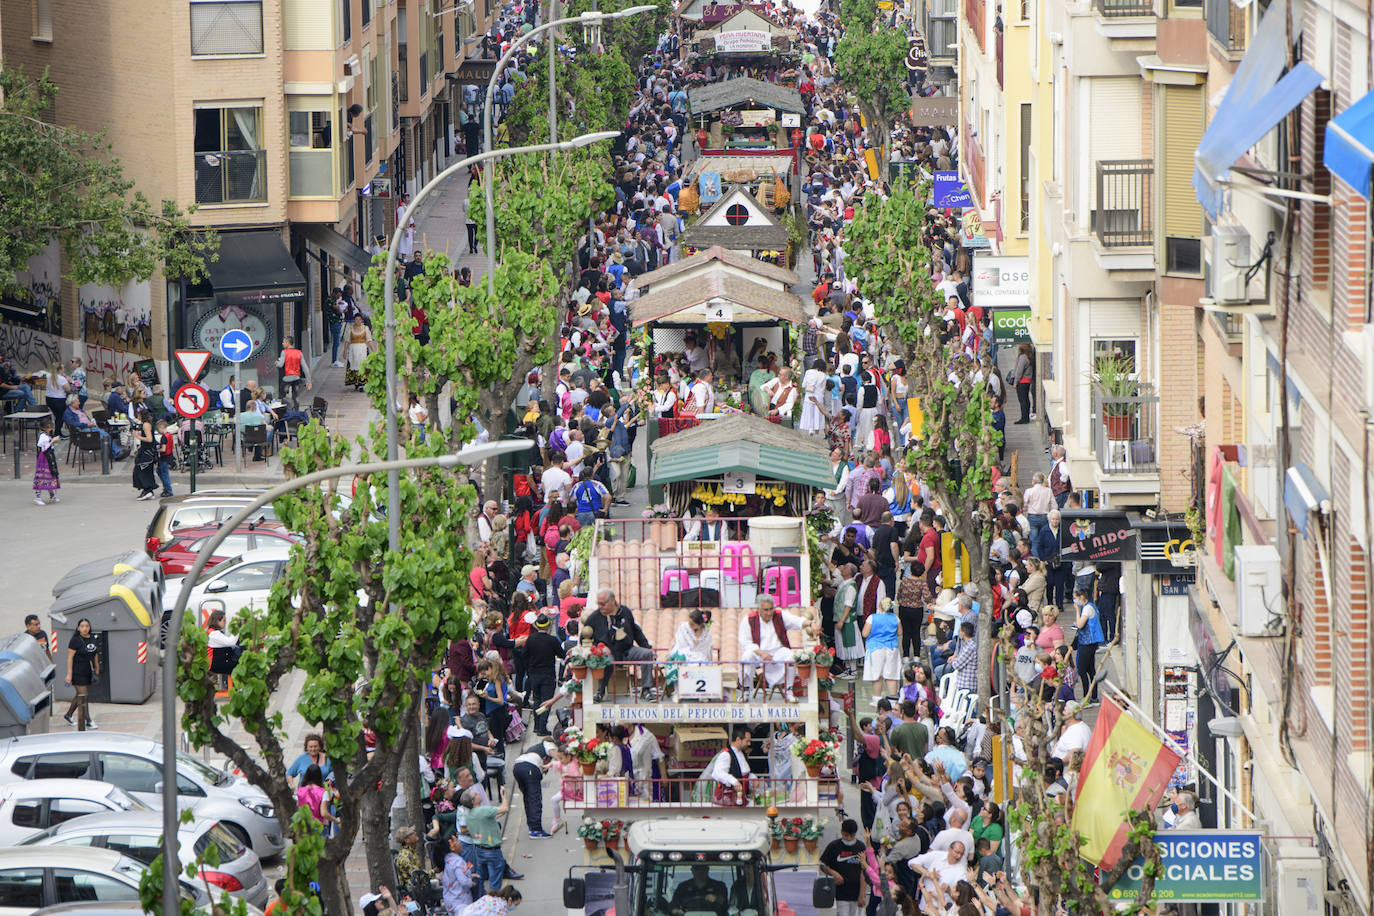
542	652
528	573
529	772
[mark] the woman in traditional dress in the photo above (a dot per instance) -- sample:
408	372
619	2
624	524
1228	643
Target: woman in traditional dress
360	343
814	397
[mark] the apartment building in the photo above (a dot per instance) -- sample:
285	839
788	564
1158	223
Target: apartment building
292	127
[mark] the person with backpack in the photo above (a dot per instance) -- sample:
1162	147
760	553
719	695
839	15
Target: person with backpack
592	498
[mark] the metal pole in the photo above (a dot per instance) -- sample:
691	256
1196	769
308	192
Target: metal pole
553	79
170	847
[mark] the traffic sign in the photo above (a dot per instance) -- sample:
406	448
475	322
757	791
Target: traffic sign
192	401
235	345
192	362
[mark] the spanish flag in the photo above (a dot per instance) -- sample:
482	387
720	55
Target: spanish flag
1125	768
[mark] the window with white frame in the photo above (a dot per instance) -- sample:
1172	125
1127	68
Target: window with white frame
226	27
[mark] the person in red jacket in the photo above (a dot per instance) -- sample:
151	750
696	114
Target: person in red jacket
291	362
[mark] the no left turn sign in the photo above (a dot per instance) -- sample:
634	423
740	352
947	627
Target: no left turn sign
192	401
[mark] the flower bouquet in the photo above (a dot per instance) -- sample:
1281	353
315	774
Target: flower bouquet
611	832
817	753
791	833
579	659
811	830
803	658
823	657
598	657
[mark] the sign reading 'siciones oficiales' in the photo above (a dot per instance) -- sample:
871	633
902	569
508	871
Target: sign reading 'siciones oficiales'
713	712
1201	866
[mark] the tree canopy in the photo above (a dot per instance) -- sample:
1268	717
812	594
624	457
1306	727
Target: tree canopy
870	59
64	184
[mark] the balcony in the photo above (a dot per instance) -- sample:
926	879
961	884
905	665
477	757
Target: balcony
312	173
231	176
1126	432
1123	9
1124	215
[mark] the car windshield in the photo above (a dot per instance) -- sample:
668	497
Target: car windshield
701	889
202	770
225	845
209	571
124	801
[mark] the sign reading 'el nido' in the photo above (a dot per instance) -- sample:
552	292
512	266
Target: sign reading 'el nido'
1201	866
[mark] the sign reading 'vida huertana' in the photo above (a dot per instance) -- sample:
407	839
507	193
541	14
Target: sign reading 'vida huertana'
1201	866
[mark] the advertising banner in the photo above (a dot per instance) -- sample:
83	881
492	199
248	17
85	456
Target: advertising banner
1099	536
743	40
1000	280
1201	866
950	192
935	111
1010	325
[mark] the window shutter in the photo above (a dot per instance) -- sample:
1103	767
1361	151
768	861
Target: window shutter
1184	120
230	27
1114	118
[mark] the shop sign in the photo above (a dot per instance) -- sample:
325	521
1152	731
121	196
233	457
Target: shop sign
1011	325
971	229
936	111
757	117
1106	537
1001	280
917	57
475	71
743	40
1201	866
950	191
701	712
1166	549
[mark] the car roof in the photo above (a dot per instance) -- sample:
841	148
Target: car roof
114	821
257	554
92	857
51	788
200	531
211	496
83	741
93	907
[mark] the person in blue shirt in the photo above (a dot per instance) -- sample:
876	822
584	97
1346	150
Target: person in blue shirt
313	755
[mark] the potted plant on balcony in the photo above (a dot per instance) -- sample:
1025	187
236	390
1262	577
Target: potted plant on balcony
1114	378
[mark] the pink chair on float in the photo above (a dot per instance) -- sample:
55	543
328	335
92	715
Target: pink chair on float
737	558
783	583
684	580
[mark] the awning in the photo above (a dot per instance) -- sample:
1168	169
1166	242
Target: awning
766	461
1349	149
254	266
338	246
1303	494
1254	103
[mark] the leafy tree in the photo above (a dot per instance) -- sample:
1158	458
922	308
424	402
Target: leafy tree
957	450
871	61
365	624
64	184
630	38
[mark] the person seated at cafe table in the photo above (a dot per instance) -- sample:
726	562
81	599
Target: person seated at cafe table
76	419
255	414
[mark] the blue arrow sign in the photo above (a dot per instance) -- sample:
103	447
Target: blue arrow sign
235	345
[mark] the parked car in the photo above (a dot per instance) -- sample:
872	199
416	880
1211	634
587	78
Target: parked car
138	835
180	553
134	763
242	582
33	877
26	808
196	510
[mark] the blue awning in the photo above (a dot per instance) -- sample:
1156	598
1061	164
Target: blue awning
1350	145
1255	102
1303	494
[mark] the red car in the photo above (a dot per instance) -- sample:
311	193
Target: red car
179	554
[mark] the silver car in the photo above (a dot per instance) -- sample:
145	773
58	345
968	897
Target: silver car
134	763
138	835
33	877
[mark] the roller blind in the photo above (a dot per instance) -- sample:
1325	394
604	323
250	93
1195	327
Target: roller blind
1184	120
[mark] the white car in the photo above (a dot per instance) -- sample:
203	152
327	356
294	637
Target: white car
33	877
242	583
28	808
138	835
134	763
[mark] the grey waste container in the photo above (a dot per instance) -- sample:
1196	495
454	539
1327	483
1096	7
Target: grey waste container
24	646
25	701
124	615
110	566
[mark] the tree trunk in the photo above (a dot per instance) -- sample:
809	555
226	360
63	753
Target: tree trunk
376	830
410	768
334	892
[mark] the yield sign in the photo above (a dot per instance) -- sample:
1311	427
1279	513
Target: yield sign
192	362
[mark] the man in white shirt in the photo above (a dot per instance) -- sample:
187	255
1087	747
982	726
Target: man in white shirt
946	868
489	510
556	482
703	396
763	639
730	770
577	447
956	834
1074	737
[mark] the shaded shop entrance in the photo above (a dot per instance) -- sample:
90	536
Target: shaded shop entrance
255	286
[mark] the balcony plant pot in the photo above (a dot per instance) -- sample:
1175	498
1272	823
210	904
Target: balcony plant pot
810	843
777	843
813	770
804	670
591	843
613	844
579	672
1118	427
588	767
790	844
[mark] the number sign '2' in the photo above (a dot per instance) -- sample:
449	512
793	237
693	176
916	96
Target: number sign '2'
700	682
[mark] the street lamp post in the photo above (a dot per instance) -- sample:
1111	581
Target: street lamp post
171	861
589	18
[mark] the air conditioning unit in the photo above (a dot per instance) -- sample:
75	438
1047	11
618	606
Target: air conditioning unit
1299	876
1367	346
1230	259
1257	588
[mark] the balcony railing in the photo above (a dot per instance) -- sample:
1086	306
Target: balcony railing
1123	9
1126	432
234	176
1124	215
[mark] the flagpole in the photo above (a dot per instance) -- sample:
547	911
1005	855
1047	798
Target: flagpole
1190	753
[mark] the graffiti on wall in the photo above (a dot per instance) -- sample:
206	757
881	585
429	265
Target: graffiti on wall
35	302
29	349
117	327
